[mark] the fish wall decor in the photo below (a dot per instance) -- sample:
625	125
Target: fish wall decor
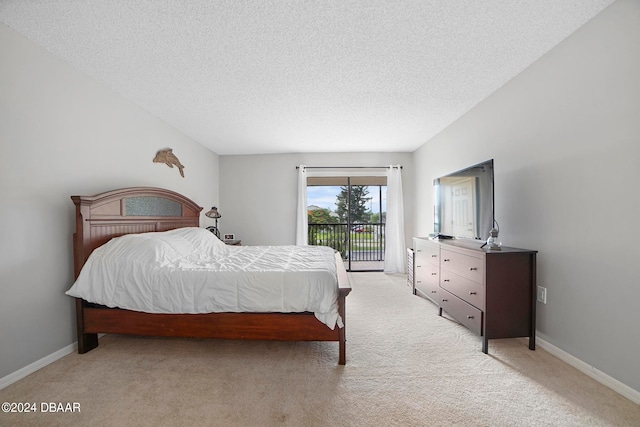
168	158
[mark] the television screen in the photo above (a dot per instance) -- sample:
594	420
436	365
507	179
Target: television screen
464	202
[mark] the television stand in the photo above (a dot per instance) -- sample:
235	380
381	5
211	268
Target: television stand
493	293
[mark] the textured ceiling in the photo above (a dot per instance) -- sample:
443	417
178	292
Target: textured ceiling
287	76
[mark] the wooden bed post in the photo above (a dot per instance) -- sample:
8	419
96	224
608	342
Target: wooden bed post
342	343
86	342
343	291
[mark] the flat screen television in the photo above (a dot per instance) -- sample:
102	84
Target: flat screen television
464	203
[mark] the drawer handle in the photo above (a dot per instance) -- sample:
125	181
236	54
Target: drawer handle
473	268
447	280
418	266
434	274
446	260
434	256
418	281
444	300
469	317
473	293
433	292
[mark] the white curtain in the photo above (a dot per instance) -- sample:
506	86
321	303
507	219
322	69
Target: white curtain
301	211
395	250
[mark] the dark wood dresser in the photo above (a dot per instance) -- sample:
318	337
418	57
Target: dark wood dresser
493	293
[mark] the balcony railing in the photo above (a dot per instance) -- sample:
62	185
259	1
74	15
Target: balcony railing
356	242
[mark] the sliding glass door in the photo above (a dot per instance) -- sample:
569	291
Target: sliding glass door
348	214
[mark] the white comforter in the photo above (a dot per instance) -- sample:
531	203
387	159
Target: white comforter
189	270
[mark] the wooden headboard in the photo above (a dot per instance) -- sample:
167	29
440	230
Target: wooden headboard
115	213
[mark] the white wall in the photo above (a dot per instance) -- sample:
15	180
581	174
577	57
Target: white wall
565	136
63	134
258	194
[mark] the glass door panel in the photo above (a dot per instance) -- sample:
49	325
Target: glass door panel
348	214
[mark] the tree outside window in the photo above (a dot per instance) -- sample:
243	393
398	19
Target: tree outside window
353	204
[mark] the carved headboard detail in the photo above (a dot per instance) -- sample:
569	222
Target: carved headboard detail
115	213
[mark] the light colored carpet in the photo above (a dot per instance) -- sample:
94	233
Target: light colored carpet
406	366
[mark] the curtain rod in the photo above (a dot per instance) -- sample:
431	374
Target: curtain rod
346	167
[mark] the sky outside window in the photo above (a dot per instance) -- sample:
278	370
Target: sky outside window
326	196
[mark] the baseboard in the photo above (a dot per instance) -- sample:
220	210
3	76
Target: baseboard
601	377
38	364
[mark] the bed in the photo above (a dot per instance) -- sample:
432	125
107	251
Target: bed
137	210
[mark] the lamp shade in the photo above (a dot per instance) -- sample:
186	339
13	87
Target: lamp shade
213	213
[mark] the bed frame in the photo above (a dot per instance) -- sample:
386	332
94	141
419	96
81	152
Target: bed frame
144	209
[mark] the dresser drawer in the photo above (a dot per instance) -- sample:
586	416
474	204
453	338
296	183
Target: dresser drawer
426	272
428	290
470	267
468	290
427	280
464	313
427	252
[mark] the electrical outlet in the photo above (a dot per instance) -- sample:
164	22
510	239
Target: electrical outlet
542	294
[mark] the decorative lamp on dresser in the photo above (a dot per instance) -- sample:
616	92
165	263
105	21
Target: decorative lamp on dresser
491	292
